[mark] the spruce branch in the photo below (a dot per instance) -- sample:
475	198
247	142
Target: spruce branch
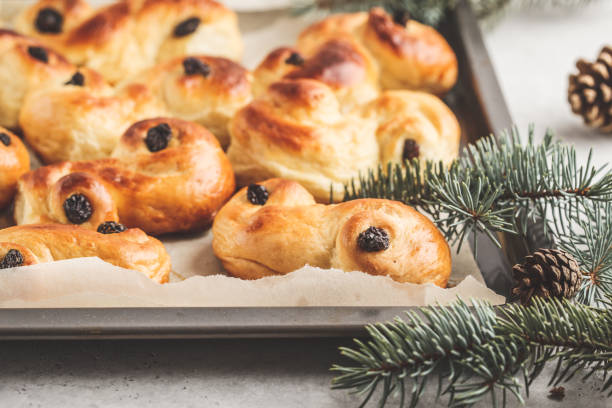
433	11
500	185
478	350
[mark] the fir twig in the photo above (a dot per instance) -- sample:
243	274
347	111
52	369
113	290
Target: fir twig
501	185
433	11
478	351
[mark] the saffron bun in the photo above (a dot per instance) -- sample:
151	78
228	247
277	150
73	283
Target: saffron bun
82	123
130	249
259	234
409	55
71	123
297	130
403	116
165	175
14	161
123	38
341	63
27	65
209	98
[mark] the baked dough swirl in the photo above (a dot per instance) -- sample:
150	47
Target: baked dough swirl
14	161
298	130
409	55
131	249
123	38
84	122
276	227
27	65
165	175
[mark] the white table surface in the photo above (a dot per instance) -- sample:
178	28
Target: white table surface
533	54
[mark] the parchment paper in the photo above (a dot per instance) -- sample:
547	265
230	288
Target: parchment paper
198	278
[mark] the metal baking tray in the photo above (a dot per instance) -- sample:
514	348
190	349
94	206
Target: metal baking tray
479	104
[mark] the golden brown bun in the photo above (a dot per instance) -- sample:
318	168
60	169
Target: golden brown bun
417	116
21	72
290	230
79	123
210	100
342	64
128	36
297	131
14	161
177	188
414	56
85	122
131	249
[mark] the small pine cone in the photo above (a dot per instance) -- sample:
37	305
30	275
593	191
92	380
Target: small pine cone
590	91
546	273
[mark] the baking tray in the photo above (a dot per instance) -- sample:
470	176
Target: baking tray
479	104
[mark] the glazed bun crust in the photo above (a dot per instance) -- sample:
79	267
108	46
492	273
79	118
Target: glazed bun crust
82	123
14	161
177	188
290	230
131	249
22	72
69	122
209	99
340	63
72	12
416	116
128	36
298	131
414	56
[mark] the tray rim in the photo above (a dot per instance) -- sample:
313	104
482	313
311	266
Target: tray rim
248	322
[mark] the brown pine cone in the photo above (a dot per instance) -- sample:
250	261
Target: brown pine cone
590	91
546	273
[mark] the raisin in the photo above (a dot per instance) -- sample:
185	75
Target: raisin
257	194
39	53
12	259
373	240
401	17
194	66
186	27
5	139
158	137
295	59
77	79
411	149
77	208
49	20
111	227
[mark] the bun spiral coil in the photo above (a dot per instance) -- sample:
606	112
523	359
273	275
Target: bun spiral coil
129	248
14	161
165	175
123	38
276	227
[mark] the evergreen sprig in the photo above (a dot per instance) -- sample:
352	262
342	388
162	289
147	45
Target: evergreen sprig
477	351
501	185
432	11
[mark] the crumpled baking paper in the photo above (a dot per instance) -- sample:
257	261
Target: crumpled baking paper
90	282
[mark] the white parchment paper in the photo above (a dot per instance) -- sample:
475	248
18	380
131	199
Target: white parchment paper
90	282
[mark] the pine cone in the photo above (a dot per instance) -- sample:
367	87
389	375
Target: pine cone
590	91
546	273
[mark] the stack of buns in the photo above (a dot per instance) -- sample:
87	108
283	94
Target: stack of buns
132	123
